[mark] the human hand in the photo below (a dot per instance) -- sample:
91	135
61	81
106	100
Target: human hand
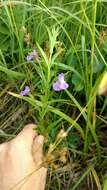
20	162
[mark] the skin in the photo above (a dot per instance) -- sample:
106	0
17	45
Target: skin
20	161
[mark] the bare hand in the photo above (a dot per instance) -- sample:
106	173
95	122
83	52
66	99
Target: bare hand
20	161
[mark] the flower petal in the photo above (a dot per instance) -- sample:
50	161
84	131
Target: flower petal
29	57
61	77
64	86
32	56
60	84
25	91
56	86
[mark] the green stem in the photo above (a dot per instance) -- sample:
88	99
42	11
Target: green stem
93	40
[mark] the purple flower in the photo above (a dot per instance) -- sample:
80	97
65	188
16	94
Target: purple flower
60	84
25	91
32	56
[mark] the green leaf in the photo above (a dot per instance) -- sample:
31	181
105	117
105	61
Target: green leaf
42	53
38	104
4	43
11	73
4	29
67	67
96	65
78	83
73	139
52	37
77	104
105	47
67	118
105	184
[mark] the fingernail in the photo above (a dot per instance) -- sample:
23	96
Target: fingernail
40	139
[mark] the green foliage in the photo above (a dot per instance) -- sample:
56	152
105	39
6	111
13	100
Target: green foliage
71	38
105	184
78	83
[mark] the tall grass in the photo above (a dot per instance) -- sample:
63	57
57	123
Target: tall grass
71	38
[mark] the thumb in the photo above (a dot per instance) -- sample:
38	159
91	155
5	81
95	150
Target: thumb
37	149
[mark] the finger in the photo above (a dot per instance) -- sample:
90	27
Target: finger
43	174
26	136
3	147
37	149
